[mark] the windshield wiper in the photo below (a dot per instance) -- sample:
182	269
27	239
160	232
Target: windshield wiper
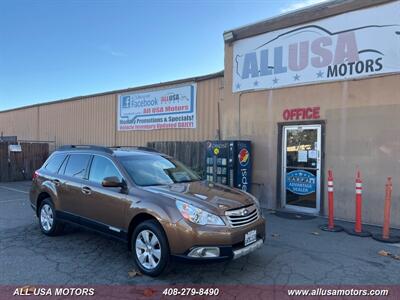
190	180
156	184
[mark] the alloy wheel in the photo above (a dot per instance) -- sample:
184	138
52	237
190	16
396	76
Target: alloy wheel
148	249
46	217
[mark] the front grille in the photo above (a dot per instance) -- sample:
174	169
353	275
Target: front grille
242	216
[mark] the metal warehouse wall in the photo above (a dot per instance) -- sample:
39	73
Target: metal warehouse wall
86	121
92	119
23	121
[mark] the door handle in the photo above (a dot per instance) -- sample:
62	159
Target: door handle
56	182
86	190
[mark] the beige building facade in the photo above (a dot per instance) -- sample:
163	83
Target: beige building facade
302	130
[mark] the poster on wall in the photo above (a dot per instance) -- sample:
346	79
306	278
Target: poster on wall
351	45
161	109
301	182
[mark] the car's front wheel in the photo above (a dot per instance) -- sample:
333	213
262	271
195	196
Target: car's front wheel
150	248
47	219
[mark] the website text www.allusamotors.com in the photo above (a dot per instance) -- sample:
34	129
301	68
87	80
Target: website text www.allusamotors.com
338	292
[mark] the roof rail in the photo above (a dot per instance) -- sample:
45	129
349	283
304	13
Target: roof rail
85	147
149	149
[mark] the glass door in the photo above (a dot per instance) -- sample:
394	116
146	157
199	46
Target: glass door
301	167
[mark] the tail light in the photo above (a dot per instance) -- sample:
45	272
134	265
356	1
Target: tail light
35	175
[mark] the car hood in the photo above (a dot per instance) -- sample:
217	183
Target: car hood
206	195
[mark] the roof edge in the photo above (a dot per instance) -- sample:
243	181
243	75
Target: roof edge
301	16
131	89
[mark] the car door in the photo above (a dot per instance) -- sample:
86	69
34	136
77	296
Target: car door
72	174
105	205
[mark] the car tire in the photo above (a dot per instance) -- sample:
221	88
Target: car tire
48	222
151	255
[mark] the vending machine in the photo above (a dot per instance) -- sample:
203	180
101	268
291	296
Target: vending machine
229	163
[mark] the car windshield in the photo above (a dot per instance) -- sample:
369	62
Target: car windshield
147	170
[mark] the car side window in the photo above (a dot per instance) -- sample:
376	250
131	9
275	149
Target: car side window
61	170
101	168
77	165
55	162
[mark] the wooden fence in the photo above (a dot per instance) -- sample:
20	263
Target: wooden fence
192	154
15	166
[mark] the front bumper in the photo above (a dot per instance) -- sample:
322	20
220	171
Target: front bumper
226	253
183	237
248	249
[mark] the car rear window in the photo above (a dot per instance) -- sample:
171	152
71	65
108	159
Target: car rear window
55	162
77	165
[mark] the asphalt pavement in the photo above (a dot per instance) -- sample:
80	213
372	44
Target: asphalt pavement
295	252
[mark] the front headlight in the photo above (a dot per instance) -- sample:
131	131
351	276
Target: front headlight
197	215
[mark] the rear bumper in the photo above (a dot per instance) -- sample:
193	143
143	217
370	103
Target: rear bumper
32	197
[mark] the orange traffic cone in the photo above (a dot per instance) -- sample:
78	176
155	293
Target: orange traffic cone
358	225
331	225
385	236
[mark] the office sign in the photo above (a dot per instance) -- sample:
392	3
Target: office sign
161	109
301	113
351	45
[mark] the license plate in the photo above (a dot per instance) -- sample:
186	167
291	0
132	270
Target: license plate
250	237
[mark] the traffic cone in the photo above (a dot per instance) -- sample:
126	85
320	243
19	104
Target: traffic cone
331	225
358	231
385	235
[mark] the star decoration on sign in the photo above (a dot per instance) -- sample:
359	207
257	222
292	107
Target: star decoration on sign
275	80
320	74
237	86
296	77
255	83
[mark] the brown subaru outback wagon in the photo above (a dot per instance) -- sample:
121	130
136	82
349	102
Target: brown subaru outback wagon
156	204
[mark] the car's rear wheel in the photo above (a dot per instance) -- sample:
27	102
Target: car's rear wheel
150	248
47	219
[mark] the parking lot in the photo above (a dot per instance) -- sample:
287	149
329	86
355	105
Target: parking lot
295	252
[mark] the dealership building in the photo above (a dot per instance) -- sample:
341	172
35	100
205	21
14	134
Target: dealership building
314	89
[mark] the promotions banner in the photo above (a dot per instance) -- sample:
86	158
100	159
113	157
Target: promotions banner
161	109
351	45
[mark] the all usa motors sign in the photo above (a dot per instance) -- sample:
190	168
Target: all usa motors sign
161	109
351	45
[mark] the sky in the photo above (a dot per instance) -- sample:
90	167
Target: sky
57	49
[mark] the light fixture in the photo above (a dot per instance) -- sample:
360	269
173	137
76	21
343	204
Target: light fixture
228	36
204	252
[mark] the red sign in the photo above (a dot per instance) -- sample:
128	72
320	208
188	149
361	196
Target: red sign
303	113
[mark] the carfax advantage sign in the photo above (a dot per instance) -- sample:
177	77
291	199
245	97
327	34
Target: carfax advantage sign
161	109
351	45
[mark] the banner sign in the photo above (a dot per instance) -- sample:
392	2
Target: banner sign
301	182
161	109
351	45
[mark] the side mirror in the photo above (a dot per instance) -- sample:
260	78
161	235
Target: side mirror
112	181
